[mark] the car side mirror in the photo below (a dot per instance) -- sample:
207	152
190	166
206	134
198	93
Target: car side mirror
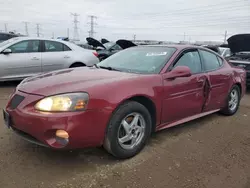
178	72
7	51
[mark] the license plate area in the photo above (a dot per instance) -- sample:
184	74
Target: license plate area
7	119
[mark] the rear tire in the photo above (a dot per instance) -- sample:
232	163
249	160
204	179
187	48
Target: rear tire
233	101
128	130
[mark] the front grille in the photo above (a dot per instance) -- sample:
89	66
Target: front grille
15	101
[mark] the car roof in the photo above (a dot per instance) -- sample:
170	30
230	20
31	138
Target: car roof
181	47
177	46
39	38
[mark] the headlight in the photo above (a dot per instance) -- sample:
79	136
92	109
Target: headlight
63	103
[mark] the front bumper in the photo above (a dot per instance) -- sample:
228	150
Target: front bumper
85	129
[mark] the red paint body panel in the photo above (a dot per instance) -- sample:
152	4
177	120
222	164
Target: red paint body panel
84	128
176	100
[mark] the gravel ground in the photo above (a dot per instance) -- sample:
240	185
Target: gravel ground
212	152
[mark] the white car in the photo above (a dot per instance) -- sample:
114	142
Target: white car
225	52
23	57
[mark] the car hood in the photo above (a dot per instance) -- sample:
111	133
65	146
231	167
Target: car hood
239	43
104	41
70	80
125	43
93	42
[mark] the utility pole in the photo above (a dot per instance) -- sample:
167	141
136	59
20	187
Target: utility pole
68	33
225	37
53	35
184	37
5	27
92	23
75	21
134	36
26	28
38	30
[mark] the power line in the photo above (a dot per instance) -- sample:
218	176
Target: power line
92	23
75	21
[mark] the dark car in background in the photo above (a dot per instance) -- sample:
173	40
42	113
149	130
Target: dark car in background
7	36
240	52
105	48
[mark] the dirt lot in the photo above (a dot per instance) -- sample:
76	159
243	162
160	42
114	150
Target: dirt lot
212	152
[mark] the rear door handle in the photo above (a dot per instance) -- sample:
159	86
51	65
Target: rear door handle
66	57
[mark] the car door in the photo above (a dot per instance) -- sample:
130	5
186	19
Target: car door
55	55
23	61
184	97
218	80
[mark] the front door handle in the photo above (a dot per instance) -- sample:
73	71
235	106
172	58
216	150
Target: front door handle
201	80
35	58
66	57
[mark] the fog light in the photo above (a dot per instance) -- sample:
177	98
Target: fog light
62	134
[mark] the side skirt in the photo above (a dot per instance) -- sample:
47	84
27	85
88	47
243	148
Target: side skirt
167	125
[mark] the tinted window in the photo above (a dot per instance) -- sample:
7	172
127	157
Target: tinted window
191	60
52	46
66	48
25	47
144	60
210	61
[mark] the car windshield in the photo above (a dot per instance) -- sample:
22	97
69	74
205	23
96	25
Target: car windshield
141	60
108	45
8	41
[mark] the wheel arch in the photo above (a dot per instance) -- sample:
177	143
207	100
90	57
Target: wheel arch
240	86
77	63
145	101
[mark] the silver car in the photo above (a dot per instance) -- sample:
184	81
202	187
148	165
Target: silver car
22	57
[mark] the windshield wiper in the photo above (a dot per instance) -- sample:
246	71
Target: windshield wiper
109	68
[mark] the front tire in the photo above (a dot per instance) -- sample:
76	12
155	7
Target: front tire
233	101
128	130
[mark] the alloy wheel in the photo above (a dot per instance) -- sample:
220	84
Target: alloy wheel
233	100
131	131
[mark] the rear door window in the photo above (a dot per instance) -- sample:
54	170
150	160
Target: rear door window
211	61
53	46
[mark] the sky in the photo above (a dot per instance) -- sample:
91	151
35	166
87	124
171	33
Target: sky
177	20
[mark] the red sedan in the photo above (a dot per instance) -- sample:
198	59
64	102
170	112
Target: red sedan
122	100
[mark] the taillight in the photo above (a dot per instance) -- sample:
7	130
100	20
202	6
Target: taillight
95	53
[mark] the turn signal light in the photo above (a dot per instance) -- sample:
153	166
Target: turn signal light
62	134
